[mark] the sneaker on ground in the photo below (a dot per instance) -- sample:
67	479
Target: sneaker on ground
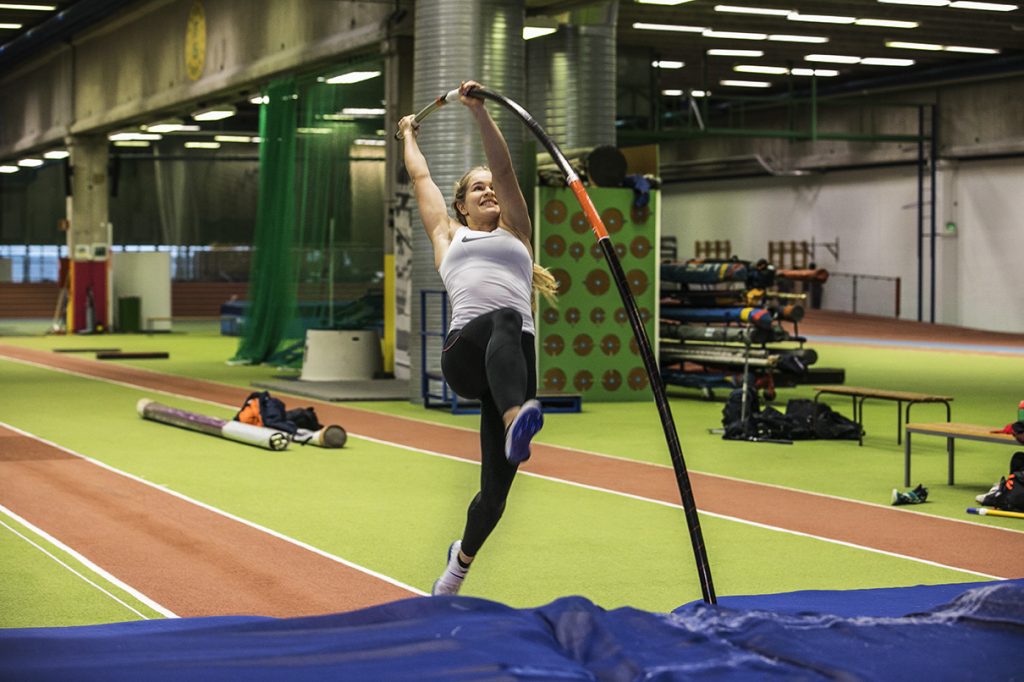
992	491
524	427
451	580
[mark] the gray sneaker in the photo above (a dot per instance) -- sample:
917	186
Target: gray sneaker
451	580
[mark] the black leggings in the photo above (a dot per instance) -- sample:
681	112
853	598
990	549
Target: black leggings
491	360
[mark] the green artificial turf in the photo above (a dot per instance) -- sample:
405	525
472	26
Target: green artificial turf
395	510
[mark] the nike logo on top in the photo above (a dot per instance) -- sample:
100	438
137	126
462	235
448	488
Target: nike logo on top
465	238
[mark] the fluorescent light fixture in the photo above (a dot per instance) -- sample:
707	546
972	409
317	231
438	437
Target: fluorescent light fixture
57	154
369	142
130	135
363	111
733	35
758	68
38	8
256	140
202	145
971	50
172	125
886	61
752	10
886	23
9	169
700	93
642	26
832	58
259	99
913	46
131	143
663	2
313	131
531	32
13	27
217	113
353	77
984	6
30	163
672	92
719	52
788	38
746	84
667	64
232	138
821	18
919	3
820	73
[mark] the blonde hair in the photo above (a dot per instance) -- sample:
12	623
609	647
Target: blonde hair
544	283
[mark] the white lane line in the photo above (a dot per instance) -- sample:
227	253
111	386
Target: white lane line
613	492
88	564
674	505
221	512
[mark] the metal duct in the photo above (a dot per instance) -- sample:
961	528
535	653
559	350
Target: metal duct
572	78
457	40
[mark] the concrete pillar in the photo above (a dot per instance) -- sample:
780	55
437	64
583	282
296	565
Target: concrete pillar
89	235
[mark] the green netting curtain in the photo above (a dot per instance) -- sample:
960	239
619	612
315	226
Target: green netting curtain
318	250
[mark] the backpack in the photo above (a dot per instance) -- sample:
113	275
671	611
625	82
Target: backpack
262	409
821	421
1010	495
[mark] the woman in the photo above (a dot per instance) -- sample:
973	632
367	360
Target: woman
485	259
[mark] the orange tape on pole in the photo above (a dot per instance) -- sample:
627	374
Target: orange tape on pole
596	224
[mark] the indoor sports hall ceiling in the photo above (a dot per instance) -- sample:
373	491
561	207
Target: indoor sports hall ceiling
860	44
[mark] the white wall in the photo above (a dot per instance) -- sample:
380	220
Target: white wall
873	213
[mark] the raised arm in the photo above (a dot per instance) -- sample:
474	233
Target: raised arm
429	199
515	215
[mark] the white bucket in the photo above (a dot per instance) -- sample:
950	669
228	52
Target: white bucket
340	355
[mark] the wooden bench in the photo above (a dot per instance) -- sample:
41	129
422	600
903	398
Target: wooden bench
859	394
952	431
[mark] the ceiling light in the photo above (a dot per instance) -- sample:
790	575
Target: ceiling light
832	58
131	135
30	163
259	99
921	3
216	113
663	2
232	138
913	46
752	10
353	77
40	8
719	52
9	169
57	154
700	93
972	50
746	84
757	68
887	23
986	6
821	18
886	61
131	143
823	73
364	111
202	145
668	27
369	142
531	32
786	38
171	125
313	131
13	27
672	93
733	35
667	64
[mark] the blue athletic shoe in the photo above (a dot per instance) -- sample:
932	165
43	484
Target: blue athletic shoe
524	427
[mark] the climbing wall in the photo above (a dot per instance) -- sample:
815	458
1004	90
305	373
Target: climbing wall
585	343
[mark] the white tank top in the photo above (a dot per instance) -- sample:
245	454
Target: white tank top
485	271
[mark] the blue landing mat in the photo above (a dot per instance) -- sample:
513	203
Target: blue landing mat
962	632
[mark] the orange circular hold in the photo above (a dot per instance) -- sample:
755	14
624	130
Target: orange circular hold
597	315
554	245
554	379
637	379
611	380
583	381
550	315
640	247
640	214
595	251
572	315
612	219
580	225
555	211
610	344
620	250
597	282
576	250
554	344
621	316
583	344
637	280
563	279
